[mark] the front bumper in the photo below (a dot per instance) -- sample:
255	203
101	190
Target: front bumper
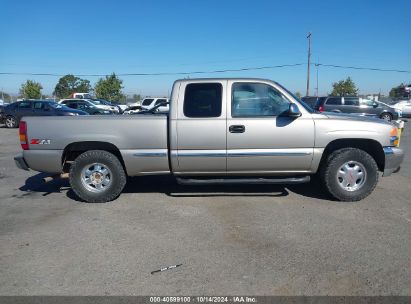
20	162
393	159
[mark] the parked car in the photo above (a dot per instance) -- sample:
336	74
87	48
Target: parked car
86	106
81	96
149	103
218	131
115	107
313	100
132	110
358	106
404	106
13	113
103	105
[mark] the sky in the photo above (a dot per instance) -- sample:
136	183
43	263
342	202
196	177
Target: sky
157	36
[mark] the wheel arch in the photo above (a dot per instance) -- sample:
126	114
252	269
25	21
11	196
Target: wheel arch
73	150
372	147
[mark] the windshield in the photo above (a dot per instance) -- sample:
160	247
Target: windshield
306	106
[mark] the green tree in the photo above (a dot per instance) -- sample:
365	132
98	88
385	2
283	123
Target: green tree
399	91
5	96
31	90
298	94
344	88
109	88
69	84
136	97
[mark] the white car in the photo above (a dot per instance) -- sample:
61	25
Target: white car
149	103
404	106
132	110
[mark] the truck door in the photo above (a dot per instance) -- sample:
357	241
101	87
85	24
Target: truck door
260	138
201	128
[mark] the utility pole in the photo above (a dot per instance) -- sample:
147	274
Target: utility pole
308	65
316	89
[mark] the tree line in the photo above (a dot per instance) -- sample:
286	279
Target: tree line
109	87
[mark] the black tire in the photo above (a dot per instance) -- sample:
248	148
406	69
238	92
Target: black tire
118	178
11	122
329	174
386	116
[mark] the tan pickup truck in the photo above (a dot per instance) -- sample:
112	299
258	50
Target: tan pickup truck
217	131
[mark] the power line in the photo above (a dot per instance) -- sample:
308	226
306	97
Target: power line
161	74
213	71
362	68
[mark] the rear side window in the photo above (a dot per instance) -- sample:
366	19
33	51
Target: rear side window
147	102
351	101
334	101
203	100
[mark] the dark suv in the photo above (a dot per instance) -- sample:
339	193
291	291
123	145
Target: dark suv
313	100
12	113
357	105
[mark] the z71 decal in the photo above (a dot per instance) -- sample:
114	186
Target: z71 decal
40	142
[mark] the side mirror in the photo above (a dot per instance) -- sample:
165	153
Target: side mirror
294	111
375	105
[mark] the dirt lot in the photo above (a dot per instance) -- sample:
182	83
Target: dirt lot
257	240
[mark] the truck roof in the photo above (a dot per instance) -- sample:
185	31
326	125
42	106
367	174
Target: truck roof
224	78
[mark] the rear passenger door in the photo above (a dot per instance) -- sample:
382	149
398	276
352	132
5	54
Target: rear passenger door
333	104
24	109
201	128
352	105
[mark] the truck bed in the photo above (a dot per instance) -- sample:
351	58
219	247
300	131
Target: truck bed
141	139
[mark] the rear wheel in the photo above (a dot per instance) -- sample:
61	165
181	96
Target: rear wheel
386	116
11	122
97	176
349	174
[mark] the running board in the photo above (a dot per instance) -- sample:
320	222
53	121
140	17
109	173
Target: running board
255	181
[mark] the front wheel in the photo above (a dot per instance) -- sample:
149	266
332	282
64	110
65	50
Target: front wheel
97	176
349	174
11	122
386	116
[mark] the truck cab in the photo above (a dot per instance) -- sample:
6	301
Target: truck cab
238	127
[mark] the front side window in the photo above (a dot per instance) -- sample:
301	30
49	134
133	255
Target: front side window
367	102
257	99
203	100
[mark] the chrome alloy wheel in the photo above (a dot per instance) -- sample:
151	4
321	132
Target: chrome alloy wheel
351	176
10	122
96	177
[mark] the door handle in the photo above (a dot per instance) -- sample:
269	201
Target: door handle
237	129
